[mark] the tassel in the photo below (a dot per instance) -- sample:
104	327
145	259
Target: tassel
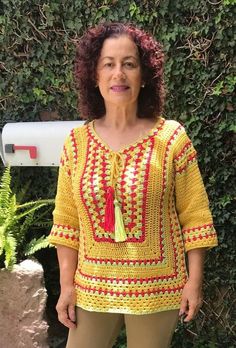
109	224
120	235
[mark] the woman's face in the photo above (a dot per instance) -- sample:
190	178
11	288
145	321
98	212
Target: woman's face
119	75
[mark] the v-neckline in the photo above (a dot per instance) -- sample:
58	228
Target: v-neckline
157	126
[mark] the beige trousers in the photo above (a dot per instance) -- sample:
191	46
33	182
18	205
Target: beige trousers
100	330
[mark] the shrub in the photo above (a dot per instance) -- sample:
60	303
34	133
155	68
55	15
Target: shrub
15	223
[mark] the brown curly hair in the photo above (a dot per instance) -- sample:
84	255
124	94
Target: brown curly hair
91	103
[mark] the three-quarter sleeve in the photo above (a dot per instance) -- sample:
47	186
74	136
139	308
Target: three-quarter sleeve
65	229
191	198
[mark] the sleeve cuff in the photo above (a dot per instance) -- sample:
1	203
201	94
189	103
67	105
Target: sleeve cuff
64	235
200	237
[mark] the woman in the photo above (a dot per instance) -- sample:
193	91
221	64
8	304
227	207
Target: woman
130	201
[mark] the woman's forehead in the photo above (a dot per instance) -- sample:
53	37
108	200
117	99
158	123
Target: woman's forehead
121	45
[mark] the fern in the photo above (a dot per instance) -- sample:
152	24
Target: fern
43	224
24	227
36	245
22	191
41	220
33	203
10	251
5	188
2	239
15	221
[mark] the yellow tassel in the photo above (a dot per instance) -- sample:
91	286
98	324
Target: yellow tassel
120	235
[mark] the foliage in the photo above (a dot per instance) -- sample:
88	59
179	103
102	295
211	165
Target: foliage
198	37
15	221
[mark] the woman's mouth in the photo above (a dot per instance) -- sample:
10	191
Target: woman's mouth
119	88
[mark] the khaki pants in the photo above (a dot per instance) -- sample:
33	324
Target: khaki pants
100	330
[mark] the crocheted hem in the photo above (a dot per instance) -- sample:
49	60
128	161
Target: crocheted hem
128	311
200	237
64	235
126	304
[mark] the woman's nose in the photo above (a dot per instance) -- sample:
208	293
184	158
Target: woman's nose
119	72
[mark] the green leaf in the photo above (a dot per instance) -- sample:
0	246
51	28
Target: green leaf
35	245
15	221
10	251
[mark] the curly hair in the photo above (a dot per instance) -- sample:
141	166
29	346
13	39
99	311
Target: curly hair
90	102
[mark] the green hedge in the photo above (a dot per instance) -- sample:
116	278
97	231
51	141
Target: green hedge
37	40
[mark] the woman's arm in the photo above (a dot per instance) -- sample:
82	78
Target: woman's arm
192	206
68	259
192	293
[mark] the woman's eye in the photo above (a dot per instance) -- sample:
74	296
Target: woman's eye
130	65
108	65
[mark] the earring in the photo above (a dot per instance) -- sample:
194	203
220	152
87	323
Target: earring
143	85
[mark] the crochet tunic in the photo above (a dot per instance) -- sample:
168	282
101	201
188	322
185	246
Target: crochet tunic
165	212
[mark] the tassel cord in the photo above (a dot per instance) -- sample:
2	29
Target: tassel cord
113	214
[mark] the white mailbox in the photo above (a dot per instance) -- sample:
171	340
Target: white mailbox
34	143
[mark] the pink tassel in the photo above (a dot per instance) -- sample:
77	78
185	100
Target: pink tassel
109	224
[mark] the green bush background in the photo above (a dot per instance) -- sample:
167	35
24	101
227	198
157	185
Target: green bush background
37	51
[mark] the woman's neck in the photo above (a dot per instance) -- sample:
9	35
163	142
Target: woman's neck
120	117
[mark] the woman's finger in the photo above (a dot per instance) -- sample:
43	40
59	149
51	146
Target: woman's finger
64	315
65	320
71	313
183	307
193	310
190	315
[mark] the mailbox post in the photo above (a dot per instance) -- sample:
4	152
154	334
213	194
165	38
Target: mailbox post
34	143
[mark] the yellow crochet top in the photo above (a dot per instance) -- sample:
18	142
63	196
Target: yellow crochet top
132	215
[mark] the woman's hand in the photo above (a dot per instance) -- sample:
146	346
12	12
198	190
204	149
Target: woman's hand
191	300
66	307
